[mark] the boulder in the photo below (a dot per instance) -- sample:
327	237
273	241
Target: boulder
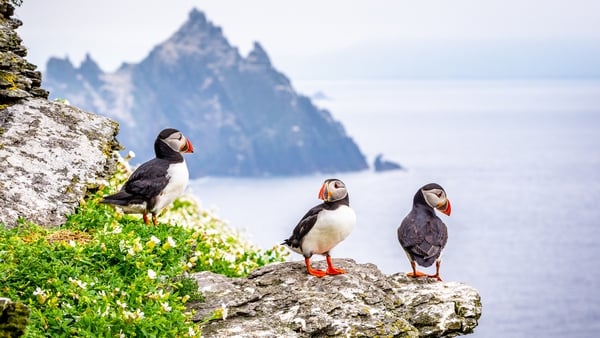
282	300
50	154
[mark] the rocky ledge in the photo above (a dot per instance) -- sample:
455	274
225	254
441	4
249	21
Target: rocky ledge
281	300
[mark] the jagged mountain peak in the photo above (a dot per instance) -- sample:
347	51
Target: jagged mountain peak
259	56
198	38
239	111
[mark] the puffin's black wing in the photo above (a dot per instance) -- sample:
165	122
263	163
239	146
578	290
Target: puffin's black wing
149	179
423	236
306	223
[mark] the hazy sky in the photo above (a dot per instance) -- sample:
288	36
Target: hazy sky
114	31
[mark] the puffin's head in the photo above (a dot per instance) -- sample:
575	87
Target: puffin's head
333	190
435	197
176	141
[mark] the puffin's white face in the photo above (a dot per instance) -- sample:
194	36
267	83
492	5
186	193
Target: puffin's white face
333	190
179	143
436	198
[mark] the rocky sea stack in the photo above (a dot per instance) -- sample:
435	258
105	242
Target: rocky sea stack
244	114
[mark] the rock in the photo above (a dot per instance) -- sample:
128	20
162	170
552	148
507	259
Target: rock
282	300
381	164
14	318
18	78
50	154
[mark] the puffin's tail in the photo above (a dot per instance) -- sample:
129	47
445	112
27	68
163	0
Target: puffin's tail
120	198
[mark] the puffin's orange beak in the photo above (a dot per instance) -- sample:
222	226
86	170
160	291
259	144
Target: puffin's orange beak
187	147
445	208
323	191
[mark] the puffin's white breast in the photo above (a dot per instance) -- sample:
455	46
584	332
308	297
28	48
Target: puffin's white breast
331	227
178	179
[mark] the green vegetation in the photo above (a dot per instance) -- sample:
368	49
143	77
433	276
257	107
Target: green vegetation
106	274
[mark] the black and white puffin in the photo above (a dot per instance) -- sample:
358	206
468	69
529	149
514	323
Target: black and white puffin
156	183
422	234
324	226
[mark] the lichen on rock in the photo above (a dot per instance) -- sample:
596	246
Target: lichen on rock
50	154
18	78
282	300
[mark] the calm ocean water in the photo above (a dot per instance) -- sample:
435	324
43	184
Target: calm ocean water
520	162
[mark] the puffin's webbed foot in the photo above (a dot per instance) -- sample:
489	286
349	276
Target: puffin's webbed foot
331	270
416	274
314	272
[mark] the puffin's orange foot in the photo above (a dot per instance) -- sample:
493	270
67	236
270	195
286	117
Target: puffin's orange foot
334	271
317	273
416	274
311	271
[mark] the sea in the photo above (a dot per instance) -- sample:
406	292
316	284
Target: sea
520	162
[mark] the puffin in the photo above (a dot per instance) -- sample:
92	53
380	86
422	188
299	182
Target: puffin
324	226
156	183
422	234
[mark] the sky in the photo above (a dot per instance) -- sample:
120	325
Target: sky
117	31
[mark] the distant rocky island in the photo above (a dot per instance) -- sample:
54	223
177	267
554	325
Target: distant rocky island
243	116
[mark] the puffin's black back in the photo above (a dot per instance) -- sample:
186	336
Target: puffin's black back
422	234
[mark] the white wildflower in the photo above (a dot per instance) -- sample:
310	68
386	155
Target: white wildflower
191	332
39	292
130	155
79	283
123	305
166	307
151	274
225	311
139	313
171	242
117	230
72	243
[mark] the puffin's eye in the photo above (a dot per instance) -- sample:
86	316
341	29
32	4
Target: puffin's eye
439	194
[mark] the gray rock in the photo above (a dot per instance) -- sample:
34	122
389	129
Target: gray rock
18	78
281	300
50	154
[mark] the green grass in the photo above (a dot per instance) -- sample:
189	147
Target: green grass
106	274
